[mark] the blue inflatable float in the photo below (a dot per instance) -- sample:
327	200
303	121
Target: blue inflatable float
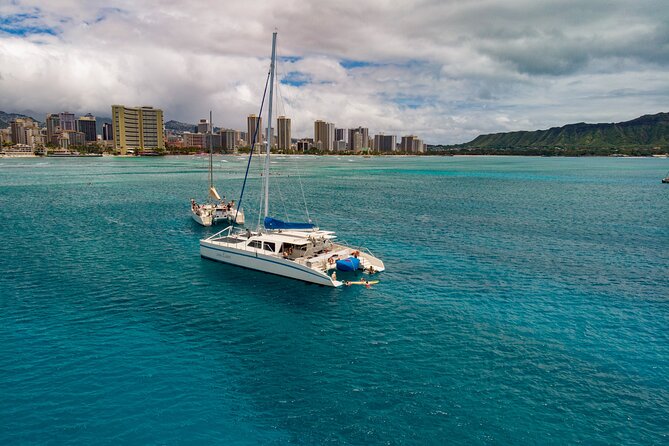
350	264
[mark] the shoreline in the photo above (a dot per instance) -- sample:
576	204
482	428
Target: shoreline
105	155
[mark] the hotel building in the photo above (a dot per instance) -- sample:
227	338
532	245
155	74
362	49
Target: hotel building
284	136
251	122
358	143
52	128
107	132
384	143
137	128
229	140
86	125
204	126
67	122
411	144
324	135
196	140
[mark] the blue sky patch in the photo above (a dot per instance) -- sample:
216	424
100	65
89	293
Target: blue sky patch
411	101
290	59
350	64
24	24
296	79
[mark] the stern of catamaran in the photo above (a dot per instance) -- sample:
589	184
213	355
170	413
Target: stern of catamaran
239	217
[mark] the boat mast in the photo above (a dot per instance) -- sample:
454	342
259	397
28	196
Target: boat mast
269	122
211	151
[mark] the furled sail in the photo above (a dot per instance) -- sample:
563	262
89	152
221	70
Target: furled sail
214	193
273	223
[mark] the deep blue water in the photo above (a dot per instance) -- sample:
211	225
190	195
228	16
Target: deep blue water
526	301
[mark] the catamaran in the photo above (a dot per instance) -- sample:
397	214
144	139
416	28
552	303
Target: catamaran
299	251
215	209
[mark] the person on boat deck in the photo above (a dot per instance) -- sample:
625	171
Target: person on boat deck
371	269
248	233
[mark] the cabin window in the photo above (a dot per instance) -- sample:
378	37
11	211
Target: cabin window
269	246
254	244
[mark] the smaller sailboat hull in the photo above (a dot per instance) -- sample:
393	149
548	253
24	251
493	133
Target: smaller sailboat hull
204	220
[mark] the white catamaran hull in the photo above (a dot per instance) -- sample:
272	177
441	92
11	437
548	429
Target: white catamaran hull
229	216
268	264
204	220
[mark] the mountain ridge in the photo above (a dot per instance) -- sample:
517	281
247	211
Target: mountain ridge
647	131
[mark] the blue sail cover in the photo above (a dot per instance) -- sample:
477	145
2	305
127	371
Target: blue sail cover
273	223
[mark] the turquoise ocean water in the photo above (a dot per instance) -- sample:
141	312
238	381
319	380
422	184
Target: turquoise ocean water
526	301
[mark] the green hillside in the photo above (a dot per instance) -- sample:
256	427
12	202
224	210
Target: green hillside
646	132
6	118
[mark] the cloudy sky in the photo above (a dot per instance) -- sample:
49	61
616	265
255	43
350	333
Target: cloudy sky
446	70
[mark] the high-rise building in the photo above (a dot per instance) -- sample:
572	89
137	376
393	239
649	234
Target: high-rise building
274	138
196	140
384	143
340	135
304	145
330	136
77	139
204	126
365	137
284	136
356	144
411	144
253	122
339	146
86	125
229	140
18	130
107	132
67	121
213	141
324	135
26	132
137	128
34	136
52	128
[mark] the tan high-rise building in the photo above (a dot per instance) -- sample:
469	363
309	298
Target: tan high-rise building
411	144
18	130
52	128
363	143
251	122
324	135
284	136
196	140
137	128
384	143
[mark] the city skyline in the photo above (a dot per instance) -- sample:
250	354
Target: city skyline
446	70
143	129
